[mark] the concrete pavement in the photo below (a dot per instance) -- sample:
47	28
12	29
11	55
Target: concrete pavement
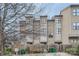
49	54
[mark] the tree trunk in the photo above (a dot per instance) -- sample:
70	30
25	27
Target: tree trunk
1	38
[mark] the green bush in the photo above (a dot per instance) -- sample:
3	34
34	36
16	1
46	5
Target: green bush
71	50
78	50
74	51
22	51
7	51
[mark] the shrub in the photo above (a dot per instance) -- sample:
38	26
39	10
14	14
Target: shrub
22	51
78	50
71	50
7	51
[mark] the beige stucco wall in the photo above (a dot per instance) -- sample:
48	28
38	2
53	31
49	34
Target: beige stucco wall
74	19
66	25
43	28
36	27
50	30
57	36
68	19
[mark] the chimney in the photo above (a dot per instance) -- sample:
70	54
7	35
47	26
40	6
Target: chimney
43	19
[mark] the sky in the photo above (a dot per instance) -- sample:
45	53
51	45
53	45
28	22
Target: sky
55	8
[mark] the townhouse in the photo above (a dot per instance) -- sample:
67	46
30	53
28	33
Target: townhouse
70	25
61	29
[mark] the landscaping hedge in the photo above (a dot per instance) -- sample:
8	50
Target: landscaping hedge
7	51
22	51
71	50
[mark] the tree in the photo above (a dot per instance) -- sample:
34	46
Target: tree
11	13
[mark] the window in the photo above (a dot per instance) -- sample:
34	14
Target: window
58	26
59	30
73	41
76	26
43	21
58	21
76	12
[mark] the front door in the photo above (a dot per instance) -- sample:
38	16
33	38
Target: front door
59	46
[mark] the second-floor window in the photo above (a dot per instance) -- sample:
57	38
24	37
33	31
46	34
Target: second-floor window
76	26
75	12
58	26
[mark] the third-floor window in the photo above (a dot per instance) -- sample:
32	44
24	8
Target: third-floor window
75	12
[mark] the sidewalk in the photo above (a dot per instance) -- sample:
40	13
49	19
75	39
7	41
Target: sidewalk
50	54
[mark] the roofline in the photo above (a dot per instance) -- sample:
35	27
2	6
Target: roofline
50	20
58	15
39	20
44	16
73	5
28	16
64	9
